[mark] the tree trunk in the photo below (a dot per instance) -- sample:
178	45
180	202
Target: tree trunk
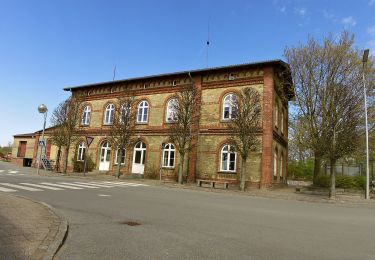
243	174
57	168
119	156
332	190
317	164
181	168
66	159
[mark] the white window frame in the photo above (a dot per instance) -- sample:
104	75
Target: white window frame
109	114
142	112
228	102
123	156
81	151
230	150
275	163
276	114
170	115
167	156
86	115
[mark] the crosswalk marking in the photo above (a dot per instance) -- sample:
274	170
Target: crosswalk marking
1	170
95	184
65	185
12	171
62	186
40	186
6	189
79	185
19	187
127	184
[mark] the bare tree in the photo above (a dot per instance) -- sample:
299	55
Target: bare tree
123	126
180	130
58	139
66	118
315	69
245	126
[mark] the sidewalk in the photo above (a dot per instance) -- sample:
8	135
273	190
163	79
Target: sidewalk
29	230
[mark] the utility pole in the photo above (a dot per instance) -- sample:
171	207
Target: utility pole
364	60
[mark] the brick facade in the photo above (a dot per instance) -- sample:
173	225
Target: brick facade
210	131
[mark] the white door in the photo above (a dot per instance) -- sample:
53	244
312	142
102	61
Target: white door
139	157
105	156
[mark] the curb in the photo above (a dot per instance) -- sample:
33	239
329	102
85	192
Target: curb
59	238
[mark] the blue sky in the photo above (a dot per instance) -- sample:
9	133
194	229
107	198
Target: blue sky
48	45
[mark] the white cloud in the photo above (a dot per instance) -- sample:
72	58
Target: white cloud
348	21
301	11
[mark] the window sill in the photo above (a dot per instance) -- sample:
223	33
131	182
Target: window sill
168	167
85	125
141	123
110	124
227	172
226	121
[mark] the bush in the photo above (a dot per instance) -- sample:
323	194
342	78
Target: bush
152	172
343	182
302	171
78	165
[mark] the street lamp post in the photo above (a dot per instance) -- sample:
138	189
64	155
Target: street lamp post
364	60
43	110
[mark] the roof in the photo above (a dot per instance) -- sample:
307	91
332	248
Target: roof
197	71
24	135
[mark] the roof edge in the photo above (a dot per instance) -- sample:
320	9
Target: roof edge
196	71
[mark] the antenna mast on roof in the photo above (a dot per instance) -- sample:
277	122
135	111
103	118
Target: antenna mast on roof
114	74
208	42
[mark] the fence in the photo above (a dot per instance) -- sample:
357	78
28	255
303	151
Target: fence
350	169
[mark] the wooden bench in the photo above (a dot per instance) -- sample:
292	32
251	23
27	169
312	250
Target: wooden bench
213	183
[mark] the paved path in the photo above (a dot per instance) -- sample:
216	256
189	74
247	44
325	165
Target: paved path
28	230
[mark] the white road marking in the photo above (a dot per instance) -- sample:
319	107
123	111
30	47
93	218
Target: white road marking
96	185
104	195
41	186
2	170
6	189
10	171
127	184
79	185
61	186
19	187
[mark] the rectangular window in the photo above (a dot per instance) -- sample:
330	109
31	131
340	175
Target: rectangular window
232	161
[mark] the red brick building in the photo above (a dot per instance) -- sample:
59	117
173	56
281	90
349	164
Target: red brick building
211	158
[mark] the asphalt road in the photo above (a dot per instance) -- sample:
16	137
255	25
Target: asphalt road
187	224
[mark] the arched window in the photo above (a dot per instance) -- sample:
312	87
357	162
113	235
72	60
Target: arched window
276	114
81	151
171	110
282	121
275	163
230	106
169	155
228	159
109	114
122	156
281	165
142	115
86	115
